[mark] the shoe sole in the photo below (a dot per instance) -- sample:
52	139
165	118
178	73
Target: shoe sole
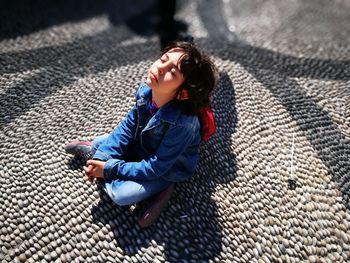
151	214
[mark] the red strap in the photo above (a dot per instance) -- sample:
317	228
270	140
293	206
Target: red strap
207	121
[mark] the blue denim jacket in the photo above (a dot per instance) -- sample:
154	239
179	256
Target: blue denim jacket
167	143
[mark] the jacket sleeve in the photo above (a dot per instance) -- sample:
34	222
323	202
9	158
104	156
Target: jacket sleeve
174	143
118	141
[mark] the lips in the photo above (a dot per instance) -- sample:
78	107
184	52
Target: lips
153	77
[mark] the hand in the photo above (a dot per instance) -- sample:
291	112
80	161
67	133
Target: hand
94	170
87	176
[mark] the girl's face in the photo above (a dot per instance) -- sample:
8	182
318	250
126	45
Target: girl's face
164	76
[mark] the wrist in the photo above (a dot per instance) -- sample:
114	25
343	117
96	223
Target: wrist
108	169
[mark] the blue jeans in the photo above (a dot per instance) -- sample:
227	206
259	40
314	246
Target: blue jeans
126	192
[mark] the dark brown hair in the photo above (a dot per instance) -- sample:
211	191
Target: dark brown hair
200	77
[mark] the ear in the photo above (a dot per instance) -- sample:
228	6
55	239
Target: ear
183	95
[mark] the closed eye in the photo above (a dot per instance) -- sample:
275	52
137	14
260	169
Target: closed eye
164	58
174	69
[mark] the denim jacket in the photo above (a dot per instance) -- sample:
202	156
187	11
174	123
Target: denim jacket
168	141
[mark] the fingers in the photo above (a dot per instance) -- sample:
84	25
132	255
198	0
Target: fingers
89	168
93	170
88	178
89	173
92	162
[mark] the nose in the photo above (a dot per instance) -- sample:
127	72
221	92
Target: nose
161	69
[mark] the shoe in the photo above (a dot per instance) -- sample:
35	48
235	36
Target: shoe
81	149
150	214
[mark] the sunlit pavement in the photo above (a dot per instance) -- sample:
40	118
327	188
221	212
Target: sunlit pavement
272	185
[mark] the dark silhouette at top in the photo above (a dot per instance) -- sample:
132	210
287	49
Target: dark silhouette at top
19	17
148	17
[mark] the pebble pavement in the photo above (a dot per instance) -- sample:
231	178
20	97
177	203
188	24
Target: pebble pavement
272	185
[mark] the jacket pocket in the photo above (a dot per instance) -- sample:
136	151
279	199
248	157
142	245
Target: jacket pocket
152	138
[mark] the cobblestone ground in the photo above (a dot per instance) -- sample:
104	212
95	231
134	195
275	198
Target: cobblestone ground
272	185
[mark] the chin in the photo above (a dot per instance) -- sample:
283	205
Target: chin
149	83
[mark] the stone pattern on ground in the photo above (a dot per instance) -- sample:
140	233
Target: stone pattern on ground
282	111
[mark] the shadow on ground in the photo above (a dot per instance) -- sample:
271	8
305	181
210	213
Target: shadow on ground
49	77
275	71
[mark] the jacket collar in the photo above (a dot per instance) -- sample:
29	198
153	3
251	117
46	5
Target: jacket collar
169	112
